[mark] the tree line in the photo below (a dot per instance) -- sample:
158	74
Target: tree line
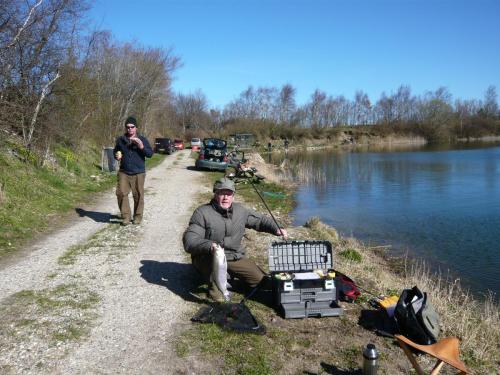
434	115
61	83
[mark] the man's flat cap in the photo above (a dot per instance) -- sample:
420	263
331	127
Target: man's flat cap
224	183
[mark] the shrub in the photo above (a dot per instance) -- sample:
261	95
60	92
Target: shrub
352	255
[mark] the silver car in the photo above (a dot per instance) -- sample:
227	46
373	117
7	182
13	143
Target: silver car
213	155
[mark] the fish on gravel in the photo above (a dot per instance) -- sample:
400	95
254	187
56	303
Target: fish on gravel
219	271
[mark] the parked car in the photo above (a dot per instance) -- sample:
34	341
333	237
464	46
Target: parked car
164	146
179	144
196	144
213	155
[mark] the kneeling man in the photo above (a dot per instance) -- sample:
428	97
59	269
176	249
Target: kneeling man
223	222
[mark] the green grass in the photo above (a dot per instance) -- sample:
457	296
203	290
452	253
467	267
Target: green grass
278	199
61	313
351	356
154	161
31	195
352	255
106	238
241	353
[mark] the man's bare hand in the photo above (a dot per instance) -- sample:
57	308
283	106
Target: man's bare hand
283	233
138	142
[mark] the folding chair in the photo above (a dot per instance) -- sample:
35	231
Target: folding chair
445	351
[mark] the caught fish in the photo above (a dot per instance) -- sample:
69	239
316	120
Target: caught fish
219	271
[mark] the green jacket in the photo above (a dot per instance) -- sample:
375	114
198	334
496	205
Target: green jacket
211	223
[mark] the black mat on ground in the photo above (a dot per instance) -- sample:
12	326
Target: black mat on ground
230	316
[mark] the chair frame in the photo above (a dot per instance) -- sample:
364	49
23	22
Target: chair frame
404	343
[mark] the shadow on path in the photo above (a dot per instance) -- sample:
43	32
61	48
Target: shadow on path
183	280
100	217
203	170
179	278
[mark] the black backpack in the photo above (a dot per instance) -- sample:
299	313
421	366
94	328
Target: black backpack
416	318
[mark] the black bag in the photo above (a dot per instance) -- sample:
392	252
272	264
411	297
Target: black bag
416	318
347	290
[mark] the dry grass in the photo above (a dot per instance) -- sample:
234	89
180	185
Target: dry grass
475	322
334	345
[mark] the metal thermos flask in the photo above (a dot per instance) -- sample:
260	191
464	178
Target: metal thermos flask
370	357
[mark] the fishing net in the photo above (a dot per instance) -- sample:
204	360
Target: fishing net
230	316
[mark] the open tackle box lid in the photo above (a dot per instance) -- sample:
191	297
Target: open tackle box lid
300	256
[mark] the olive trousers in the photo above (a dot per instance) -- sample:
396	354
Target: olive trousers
244	269
127	183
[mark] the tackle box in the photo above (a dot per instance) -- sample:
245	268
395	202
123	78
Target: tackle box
302	286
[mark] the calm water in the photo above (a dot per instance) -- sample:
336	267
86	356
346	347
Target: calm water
440	205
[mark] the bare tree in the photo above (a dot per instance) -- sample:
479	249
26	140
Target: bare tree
34	38
385	109
464	111
286	104
191	110
404	104
129	80
490	102
316	108
361	108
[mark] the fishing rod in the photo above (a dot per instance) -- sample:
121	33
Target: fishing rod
252	182
252	178
267	207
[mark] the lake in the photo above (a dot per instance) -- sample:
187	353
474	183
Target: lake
438	204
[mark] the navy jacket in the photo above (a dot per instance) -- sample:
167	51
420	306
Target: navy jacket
133	158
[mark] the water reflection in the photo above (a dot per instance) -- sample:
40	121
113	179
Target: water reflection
440	203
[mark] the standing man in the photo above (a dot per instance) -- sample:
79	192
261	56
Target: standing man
223	222
131	150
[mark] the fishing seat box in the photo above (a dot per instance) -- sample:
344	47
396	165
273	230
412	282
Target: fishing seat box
306	294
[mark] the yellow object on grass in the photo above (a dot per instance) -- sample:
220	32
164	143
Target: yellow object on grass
389	304
388	301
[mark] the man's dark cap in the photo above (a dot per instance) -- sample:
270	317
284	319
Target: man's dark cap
131	120
223	184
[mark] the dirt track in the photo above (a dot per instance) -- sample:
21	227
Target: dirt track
98	298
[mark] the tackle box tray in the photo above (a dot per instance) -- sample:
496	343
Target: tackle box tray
310	309
300	256
299	294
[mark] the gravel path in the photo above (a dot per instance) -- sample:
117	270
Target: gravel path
124	290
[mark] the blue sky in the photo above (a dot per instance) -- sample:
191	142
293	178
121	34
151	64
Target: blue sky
335	46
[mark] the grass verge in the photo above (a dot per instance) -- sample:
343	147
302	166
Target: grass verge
53	315
33	196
